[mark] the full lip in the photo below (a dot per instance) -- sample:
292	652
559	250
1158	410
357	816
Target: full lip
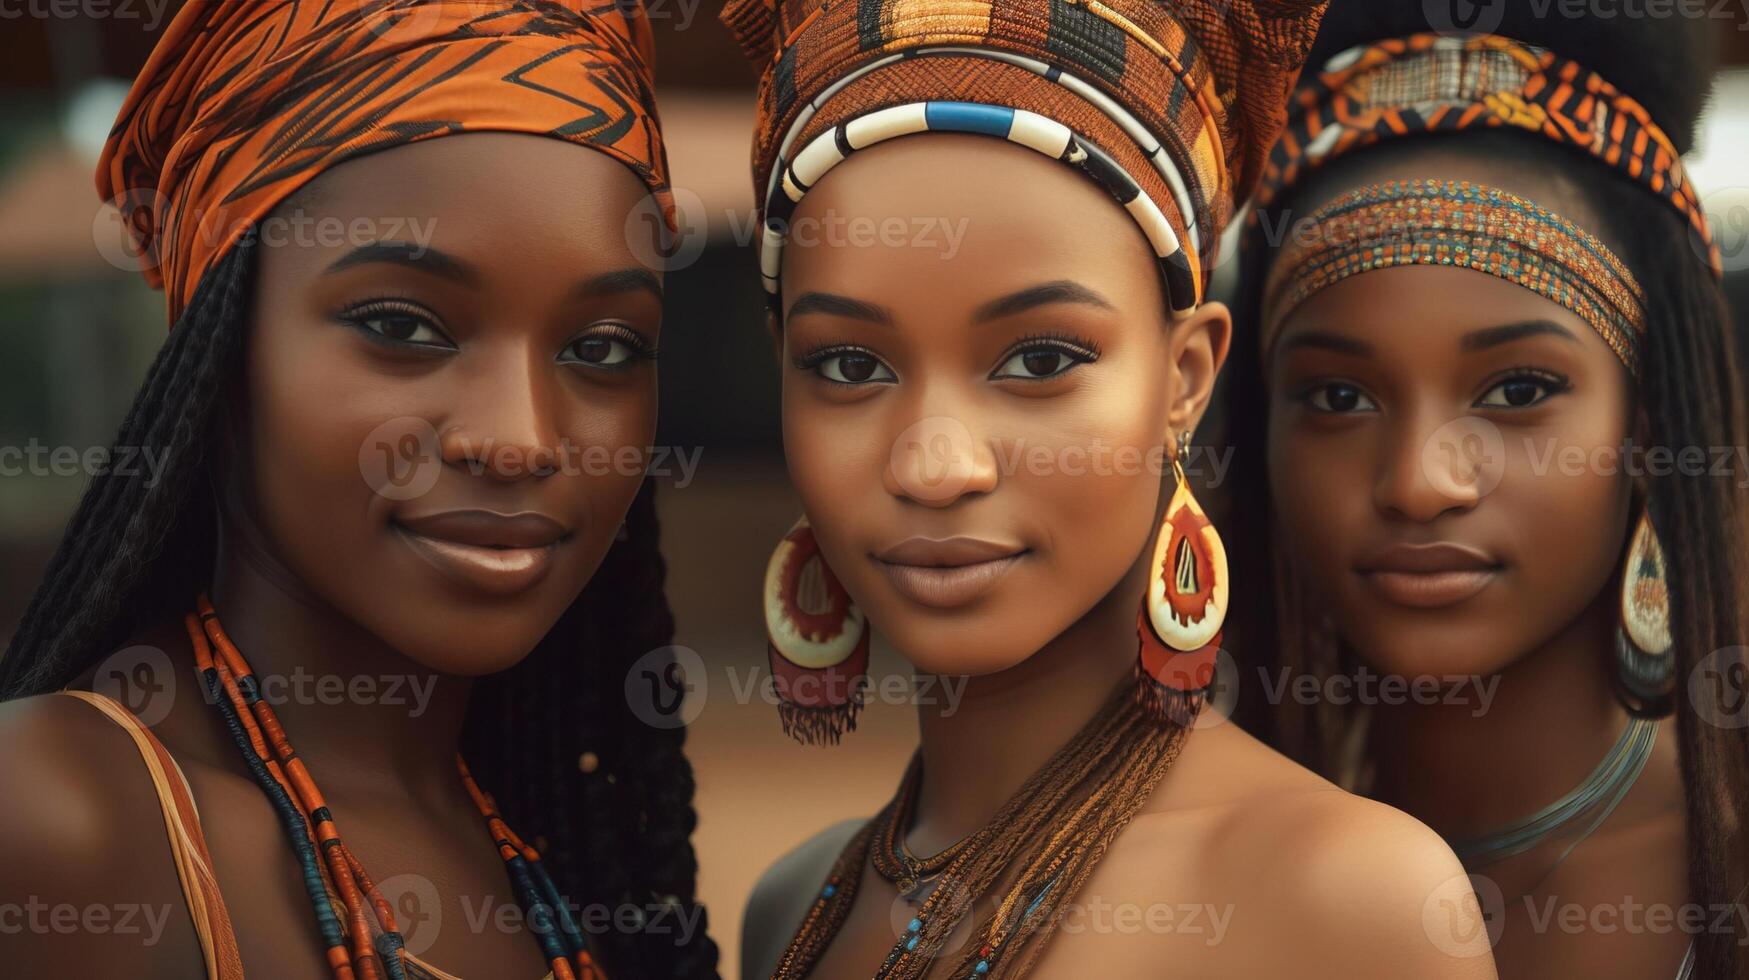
498	554
1428	576
947	572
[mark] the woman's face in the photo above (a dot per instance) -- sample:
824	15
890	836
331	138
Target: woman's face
1445	454
450	389
979	385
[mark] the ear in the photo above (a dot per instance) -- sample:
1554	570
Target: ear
1198	347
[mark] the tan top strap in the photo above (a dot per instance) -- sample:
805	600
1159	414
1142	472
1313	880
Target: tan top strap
212	923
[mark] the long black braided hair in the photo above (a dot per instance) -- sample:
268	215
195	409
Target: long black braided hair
1690	394
616	839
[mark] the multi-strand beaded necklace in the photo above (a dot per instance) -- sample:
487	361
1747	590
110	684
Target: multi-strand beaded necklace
1048	837
369	945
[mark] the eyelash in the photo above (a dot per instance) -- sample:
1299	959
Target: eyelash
355	316
811	360
1082	349
1079	349
1554	382
1305	393
639	349
813	357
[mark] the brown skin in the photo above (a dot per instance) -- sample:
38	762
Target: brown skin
1359	380
315	574
1310	875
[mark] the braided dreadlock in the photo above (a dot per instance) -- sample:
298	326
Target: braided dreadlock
1690	394
137	550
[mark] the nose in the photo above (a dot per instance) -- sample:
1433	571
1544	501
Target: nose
504	425
937	459
1432	466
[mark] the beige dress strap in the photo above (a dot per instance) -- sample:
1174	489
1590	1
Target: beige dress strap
212	923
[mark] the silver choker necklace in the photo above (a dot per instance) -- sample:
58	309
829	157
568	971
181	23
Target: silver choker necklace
1597	795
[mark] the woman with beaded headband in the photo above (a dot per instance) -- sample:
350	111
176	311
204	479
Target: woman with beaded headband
371	537
980	422
1479	300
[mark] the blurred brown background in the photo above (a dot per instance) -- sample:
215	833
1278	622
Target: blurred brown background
76	333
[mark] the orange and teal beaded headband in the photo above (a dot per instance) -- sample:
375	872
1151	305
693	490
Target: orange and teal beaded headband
1431	83
1462	225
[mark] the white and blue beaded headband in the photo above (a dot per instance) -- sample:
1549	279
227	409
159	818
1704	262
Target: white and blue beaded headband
791	176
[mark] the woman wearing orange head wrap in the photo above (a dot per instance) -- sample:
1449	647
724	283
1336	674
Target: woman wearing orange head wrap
399	424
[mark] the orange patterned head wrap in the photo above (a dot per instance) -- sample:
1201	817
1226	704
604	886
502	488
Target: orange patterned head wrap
245	101
1170	105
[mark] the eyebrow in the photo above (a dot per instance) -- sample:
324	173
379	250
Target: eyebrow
620	281
446	266
1323	340
1060	291
833	304
421	257
1044	294
1477	340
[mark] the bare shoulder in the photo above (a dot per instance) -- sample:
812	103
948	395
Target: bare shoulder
1377	891
784	894
1308	873
85	851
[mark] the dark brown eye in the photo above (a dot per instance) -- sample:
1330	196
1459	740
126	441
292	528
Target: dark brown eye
853	368
397	322
601	349
1523	391
592	350
856	367
1338	397
1041	361
398	326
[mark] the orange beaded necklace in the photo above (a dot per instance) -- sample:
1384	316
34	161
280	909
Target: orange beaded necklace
363	942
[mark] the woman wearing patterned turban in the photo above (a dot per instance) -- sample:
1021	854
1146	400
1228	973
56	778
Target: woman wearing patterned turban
352	654
1487	399
987	232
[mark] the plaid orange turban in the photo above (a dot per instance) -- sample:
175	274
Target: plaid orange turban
245	101
1171	106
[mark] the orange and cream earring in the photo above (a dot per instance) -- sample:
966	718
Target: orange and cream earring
1645	667
1179	625
818	641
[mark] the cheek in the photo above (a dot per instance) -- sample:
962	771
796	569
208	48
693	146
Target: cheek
1320	493
1090	468
310	417
837	452
607	441
1567	497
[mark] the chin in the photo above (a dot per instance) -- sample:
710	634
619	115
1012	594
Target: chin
465	653
1458	650
960	643
467	640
